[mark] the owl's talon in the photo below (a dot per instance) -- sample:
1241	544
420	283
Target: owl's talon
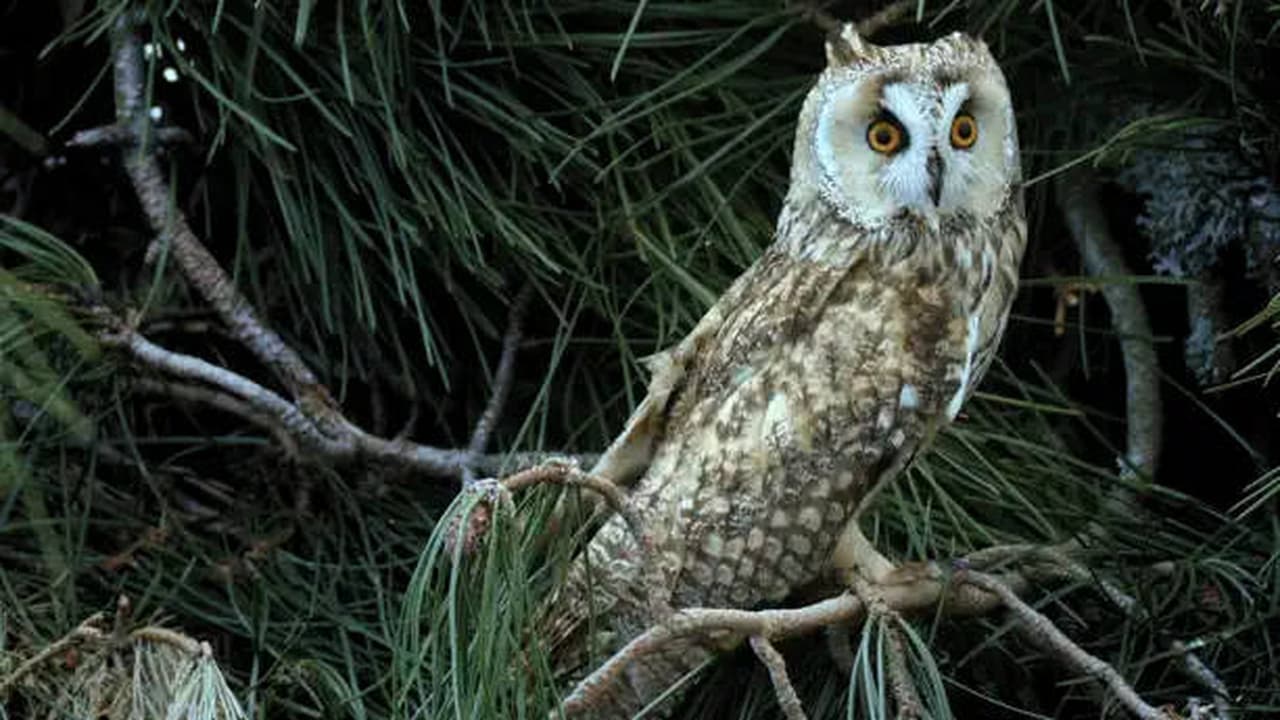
493	494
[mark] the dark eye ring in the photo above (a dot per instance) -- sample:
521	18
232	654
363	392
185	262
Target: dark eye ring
885	136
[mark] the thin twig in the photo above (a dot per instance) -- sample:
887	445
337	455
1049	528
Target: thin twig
567	473
205	396
788	700
504	375
814	12
172	638
120	624
118	136
1044	633
889	15
1203	674
238	393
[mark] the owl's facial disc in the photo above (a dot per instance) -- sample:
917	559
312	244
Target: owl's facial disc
906	142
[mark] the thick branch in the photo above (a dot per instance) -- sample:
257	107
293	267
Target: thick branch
1082	210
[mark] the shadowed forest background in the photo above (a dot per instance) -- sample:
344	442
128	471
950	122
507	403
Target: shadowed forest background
382	180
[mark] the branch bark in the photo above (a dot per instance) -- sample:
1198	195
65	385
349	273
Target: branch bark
195	261
502	377
773	661
310	419
1044	633
924	592
1078	199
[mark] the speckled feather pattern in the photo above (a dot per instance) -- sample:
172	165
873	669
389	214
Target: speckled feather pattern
822	370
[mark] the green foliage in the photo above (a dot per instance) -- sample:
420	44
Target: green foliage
381	176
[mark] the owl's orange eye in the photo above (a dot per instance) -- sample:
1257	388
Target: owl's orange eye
964	131
884	136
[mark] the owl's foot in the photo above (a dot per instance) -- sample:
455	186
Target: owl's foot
855	556
469	529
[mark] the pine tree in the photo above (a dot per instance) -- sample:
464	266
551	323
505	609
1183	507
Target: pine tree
231	445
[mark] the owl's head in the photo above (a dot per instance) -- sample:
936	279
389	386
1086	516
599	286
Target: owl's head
908	132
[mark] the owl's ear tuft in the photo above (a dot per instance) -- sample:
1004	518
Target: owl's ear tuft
845	46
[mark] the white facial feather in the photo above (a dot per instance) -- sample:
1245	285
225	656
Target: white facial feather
924	87
905	174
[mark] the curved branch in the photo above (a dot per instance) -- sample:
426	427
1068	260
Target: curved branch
197	264
1081	209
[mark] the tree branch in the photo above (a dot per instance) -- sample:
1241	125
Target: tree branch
923	592
1044	633
1081	209
119	136
234	393
195	261
311	419
788	700
814	12
188	392
502	378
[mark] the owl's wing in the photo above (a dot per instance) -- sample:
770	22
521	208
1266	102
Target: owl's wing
630	453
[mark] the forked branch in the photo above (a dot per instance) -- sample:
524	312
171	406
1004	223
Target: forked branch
308	418
1044	633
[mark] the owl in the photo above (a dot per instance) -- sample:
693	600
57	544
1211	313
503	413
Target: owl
823	369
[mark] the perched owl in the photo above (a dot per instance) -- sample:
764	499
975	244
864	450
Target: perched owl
825	367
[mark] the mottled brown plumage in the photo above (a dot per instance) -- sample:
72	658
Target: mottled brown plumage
823	369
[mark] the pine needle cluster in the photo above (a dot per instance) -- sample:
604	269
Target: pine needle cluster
381	178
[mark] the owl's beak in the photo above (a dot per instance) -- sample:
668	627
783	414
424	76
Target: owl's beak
934	167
